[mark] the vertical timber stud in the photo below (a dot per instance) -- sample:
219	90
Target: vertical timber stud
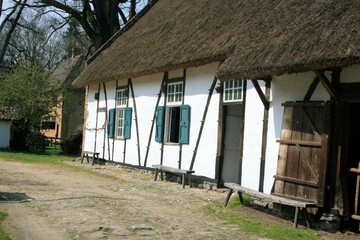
97	115
113	140
264	136
106	123
220	135
153	120
211	90
127	105
241	144
136	120
183	96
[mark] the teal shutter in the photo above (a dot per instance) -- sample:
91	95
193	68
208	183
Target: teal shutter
111	122
184	126
127	122
160	113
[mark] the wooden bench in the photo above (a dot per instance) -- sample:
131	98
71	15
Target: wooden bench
184	173
302	205
94	155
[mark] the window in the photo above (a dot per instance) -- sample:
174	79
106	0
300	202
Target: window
48	123
119	125
233	91
176	127
174	93
121	102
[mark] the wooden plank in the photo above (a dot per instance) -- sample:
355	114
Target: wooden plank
293	157
171	169
136	120
356	217
247	191
304	104
297	181
273	198
299	142
283	149
357	191
305	158
355	170
295	201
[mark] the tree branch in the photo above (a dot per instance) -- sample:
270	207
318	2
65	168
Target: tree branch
8	17
7	39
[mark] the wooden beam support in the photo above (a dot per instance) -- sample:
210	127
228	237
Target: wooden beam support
327	84
311	89
262	96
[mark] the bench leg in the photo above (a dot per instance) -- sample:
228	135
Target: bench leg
306	216
156	174
189	179
87	158
82	158
93	160
228	197
241	198
161	175
296	217
183	180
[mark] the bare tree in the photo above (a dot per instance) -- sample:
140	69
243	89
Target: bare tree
99	19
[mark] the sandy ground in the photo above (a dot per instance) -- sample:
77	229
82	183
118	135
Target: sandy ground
57	202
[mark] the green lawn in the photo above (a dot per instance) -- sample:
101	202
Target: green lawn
51	156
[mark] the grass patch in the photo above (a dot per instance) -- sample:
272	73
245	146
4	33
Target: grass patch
3	235
50	157
232	215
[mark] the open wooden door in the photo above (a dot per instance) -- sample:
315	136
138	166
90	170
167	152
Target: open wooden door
303	152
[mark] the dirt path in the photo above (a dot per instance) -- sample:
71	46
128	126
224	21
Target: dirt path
51	202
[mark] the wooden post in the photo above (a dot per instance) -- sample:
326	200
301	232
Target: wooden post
264	136
154	116
97	114
136	120
106	122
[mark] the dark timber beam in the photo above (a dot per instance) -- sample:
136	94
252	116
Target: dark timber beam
327	84
311	89
262	96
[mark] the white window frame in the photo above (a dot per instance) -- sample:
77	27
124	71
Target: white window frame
168	122
174	93
234	88
121	104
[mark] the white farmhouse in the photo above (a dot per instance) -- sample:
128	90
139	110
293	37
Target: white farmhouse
265	94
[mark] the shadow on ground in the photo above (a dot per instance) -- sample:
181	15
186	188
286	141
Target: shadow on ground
14	197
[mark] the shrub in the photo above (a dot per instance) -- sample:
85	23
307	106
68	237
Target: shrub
72	144
35	142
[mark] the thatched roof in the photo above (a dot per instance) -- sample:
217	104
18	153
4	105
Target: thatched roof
68	69
252	38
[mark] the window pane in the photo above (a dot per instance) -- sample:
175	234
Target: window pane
233	91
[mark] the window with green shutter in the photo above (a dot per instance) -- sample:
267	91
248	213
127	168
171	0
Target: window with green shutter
127	122
159	124
111	122
184	125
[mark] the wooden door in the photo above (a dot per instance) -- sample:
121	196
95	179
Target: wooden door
233	126
303	151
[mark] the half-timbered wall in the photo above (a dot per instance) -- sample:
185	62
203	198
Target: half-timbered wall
197	83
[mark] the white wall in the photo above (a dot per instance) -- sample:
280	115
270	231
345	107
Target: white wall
5	134
146	89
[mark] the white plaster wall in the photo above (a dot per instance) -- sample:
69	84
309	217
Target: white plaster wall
252	137
146	89
4	134
350	74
